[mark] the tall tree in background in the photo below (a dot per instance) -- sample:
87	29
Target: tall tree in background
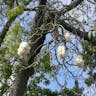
62	39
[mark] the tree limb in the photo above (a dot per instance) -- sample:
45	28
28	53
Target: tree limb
71	6
78	32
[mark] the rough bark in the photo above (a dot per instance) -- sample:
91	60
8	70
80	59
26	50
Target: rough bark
21	82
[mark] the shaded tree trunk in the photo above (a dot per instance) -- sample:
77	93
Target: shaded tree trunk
21	82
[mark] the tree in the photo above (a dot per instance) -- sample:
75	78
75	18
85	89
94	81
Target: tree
71	34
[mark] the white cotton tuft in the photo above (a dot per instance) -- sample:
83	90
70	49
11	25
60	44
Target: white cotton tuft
61	51
23	50
79	61
67	36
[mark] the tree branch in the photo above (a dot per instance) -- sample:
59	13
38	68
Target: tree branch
71	6
62	11
77	32
35	8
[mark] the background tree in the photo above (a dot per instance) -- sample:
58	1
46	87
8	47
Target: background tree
62	40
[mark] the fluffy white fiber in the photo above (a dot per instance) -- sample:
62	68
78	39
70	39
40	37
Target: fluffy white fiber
79	61
67	36
61	51
23	50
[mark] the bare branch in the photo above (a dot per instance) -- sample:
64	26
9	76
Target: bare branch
92	2
77	32
71	6
35	8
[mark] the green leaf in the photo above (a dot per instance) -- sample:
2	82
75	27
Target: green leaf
7	70
12	13
46	82
9	3
90	35
46	63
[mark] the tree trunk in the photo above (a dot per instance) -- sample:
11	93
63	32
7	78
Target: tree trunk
22	76
21	82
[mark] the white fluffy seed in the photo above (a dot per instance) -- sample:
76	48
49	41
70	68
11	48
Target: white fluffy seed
79	61
61	51
67	36
23	50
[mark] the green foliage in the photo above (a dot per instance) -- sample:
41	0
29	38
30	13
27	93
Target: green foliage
3	88
12	13
42	62
8	53
7	70
13	39
72	92
34	90
46	82
89	54
45	61
16	68
9	3
89	80
90	35
2	52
